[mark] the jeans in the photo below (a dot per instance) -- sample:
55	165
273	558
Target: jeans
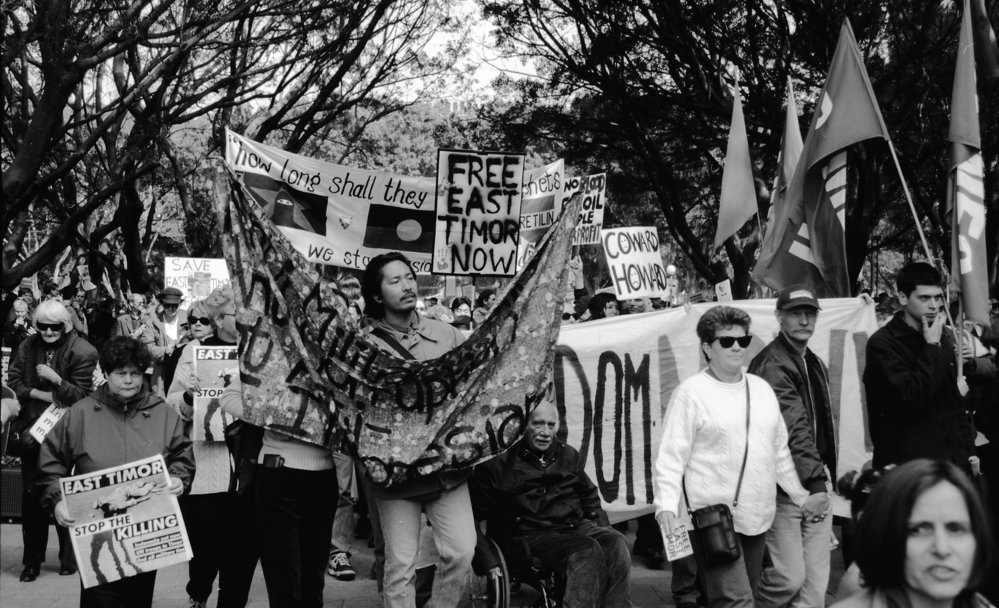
798	569
35	520
450	514
132	592
595	560
343	522
683	585
294	517
731	583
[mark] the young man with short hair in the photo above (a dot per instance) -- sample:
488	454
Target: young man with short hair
914	396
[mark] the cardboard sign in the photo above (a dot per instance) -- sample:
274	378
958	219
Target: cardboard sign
46	421
478	212
215	367
593	189
633	260
127	522
195	277
541	204
4	363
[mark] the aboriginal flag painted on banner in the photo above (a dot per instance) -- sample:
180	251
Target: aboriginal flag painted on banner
400	228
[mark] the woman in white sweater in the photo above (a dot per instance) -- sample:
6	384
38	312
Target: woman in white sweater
704	445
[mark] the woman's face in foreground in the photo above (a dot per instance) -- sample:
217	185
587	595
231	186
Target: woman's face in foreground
125	382
940	549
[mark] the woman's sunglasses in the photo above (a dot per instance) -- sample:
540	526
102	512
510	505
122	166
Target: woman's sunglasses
728	341
202	320
49	326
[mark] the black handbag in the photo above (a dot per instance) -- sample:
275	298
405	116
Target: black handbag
715	528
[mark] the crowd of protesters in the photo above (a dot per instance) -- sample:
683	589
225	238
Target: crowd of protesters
757	446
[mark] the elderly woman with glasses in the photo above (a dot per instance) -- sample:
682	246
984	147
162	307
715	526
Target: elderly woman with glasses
54	365
724	442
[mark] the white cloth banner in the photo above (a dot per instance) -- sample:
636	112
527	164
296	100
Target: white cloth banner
337	215
614	378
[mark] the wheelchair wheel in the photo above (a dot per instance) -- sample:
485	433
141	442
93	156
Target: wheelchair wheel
491	590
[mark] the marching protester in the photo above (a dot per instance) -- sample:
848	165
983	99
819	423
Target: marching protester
483	305
212	513
914	396
161	333
294	495
799	538
54	365
122	421
705	460
461	313
602	305
923	540
390	294
132	322
19	327
539	503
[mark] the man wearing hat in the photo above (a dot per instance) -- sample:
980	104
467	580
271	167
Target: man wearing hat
162	333
798	541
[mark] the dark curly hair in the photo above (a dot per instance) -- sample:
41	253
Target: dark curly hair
597	304
123	351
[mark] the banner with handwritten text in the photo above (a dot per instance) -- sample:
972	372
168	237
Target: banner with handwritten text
195	277
593	189
542	201
634	263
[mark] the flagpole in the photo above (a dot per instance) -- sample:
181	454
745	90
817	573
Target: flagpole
908	197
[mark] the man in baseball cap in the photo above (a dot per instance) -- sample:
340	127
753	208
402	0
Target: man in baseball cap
798	540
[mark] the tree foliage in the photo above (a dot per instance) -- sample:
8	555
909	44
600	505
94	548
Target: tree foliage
649	84
113	107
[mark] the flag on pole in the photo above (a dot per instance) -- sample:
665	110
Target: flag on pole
738	191
786	229
815	214
986	48
965	185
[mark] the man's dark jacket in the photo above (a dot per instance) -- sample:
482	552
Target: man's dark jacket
913	404
518	493
806	409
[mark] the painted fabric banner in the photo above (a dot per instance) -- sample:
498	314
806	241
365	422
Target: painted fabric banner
478	212
126	521
614	378
337	215
195	277
306	372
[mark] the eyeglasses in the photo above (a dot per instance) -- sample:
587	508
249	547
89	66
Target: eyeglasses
49	326
202	320
728	341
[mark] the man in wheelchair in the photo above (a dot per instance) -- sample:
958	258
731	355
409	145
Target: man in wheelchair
540	506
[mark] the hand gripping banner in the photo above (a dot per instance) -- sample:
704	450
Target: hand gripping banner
308	373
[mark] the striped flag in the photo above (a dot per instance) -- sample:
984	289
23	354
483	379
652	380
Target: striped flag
965	188
815	217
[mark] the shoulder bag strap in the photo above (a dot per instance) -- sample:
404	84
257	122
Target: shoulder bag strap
742	469
394	344
745	453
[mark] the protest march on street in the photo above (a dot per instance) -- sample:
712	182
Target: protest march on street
491	303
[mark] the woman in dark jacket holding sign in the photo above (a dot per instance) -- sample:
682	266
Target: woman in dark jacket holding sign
121	422
54	365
